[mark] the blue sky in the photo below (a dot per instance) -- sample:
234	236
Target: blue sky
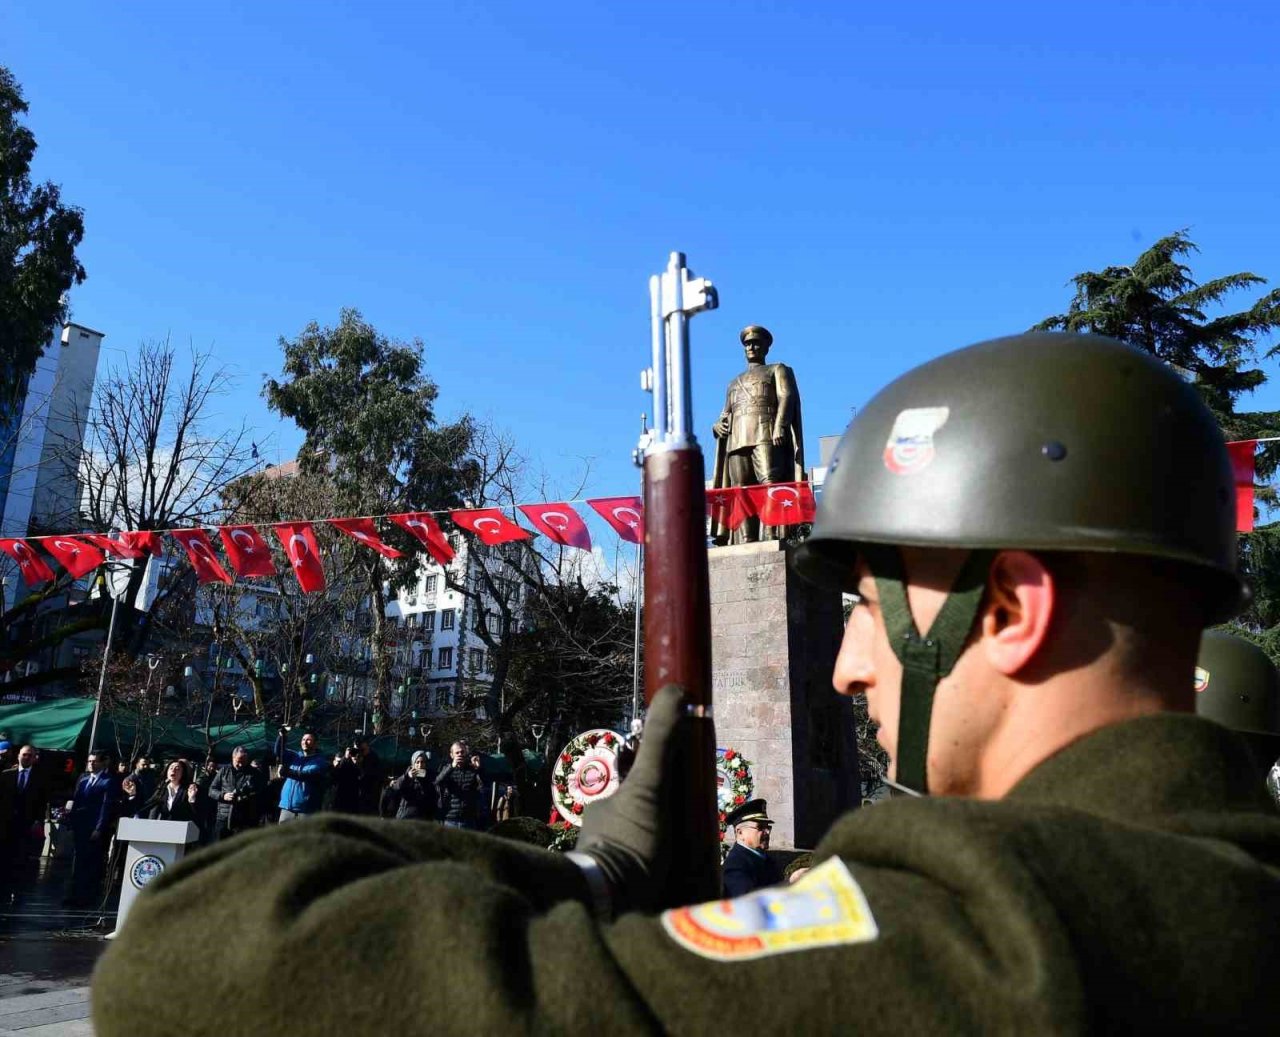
876	185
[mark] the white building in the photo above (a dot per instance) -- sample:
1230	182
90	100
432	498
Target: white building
440	654
40	446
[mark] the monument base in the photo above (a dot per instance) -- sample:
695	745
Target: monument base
774	640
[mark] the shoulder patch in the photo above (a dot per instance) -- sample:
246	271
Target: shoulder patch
825	908
1201	679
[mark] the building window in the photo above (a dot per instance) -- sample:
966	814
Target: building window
429	588
477	660
493	623
429	621
445	659
446	619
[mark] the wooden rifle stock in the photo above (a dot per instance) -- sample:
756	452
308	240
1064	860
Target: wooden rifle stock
677	600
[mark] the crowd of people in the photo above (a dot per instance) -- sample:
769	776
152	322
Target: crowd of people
224	800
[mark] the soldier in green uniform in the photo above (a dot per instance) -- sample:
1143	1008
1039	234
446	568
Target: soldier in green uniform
1238	687
1038	529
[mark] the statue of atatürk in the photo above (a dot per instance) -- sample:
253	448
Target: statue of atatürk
758	435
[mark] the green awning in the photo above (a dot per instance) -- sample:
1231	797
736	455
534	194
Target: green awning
52	724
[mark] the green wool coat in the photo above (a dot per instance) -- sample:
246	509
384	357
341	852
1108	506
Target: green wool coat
1129	883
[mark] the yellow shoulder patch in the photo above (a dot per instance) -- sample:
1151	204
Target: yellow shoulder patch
826	907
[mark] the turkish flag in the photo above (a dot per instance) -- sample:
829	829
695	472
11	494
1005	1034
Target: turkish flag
77	557
489	525
421	525
729	507
299	540
624	514
120	548
783	504
199	549
247	551
559	522
1241	453
147	540
32	566
366	532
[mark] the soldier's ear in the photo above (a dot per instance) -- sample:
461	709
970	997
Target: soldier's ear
1018	611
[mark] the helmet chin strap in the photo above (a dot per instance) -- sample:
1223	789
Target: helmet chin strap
926	658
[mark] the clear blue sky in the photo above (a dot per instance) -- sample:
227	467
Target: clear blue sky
875	185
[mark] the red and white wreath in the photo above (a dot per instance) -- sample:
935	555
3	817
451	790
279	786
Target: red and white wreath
586	772
733	782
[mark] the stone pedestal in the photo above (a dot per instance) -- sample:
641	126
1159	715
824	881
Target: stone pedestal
774	640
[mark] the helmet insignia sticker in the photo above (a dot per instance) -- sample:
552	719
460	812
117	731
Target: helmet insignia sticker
910	445
1202	679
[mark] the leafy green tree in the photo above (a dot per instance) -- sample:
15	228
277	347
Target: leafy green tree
1157	305
39	236
367	408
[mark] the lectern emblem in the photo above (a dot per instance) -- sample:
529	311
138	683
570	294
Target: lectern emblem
144	870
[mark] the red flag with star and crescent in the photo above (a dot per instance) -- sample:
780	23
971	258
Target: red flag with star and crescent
783	504
624	514
366	532
489	525
422	526
147	540
76	556
203	558
120	548
729	507
1242	465
299	540
247	551
31	565
557	521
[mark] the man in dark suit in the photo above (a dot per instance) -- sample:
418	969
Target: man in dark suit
23	799
748	867
91	816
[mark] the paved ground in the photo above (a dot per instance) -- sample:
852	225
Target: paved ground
47	954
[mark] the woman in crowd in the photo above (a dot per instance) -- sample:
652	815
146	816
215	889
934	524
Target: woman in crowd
178	798
417	793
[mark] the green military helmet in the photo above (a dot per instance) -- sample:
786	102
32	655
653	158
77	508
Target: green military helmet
1237	684
1043	441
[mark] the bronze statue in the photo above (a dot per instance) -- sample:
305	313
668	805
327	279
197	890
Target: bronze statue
759	438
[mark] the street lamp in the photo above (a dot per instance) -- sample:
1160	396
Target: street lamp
538	731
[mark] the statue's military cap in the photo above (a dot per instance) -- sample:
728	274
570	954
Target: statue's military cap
755	333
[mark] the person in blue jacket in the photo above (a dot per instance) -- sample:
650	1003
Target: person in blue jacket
305	774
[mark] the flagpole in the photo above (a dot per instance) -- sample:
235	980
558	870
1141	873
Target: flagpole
102	674
636	600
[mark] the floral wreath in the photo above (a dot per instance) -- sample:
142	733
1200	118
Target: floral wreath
569	806
733	783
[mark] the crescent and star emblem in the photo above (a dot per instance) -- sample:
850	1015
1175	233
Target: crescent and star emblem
419	524
361	535
479	523
241	536
633	521
785	502
300	556
20	549
547	516
66	545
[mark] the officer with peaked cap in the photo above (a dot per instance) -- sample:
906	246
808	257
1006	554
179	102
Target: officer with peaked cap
1037	529
1238	687
747	865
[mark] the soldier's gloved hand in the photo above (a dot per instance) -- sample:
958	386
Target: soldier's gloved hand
625	839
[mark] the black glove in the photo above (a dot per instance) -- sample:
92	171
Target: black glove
627	835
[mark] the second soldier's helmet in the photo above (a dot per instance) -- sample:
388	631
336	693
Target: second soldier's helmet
1042	441
1237	684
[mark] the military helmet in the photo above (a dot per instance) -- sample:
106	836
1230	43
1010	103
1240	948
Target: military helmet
1237	684
755	333
1043	441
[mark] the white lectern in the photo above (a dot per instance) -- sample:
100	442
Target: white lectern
153	846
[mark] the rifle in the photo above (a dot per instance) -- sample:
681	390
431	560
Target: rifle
677	600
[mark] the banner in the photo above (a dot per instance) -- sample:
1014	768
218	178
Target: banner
624	514
423	526
299	540
558	522
366	532
77	557
31	565
199	549
247	551
1242	452
489	525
